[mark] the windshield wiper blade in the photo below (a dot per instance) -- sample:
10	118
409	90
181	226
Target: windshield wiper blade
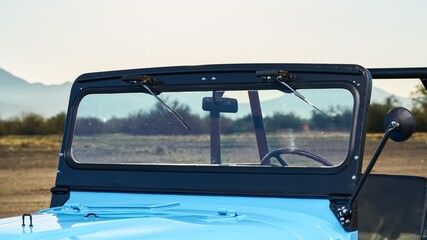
174	113
280	74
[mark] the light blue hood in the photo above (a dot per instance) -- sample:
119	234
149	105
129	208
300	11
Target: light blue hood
153	216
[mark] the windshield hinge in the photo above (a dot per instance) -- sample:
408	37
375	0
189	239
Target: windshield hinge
60	195
338	205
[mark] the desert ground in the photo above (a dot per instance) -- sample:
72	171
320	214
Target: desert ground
28	167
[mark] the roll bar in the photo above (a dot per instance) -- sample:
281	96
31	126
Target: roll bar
400	73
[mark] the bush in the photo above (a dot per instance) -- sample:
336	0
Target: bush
377	113
419	108
33	124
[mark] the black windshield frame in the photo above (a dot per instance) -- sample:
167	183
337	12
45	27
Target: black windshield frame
221	180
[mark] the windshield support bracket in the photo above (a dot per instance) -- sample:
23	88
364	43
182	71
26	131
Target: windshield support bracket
60	195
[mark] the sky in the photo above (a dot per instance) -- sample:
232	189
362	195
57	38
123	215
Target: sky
52	42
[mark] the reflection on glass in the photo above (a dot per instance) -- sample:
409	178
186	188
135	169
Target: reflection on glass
133	128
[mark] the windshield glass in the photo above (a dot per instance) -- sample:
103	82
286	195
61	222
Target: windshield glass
232	128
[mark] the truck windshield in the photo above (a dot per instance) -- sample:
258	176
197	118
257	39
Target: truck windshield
227	128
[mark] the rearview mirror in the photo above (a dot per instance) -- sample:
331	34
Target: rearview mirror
220	104
406	124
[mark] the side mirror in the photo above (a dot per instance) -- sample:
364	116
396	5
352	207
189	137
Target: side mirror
406	124
220	104
399	125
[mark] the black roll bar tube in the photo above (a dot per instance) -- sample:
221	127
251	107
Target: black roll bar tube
258	122
400	73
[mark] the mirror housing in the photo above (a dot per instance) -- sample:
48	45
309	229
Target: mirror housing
406	124
220	104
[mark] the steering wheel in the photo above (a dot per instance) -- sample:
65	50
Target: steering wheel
276	154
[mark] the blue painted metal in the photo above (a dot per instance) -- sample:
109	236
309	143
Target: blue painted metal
108	215
90	215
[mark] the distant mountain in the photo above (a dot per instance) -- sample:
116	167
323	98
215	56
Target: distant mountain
17	96
292	104
379	96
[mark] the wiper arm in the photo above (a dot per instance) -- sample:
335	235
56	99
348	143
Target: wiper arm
304	99
279	74
145	80
174	113
76	208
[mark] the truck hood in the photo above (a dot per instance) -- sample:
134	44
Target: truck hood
191	217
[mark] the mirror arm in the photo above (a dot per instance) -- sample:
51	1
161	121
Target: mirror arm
393	125
344	213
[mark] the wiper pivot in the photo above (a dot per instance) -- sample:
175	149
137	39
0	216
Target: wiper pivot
267	74
140	79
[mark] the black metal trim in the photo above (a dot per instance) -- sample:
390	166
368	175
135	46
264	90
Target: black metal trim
226	68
